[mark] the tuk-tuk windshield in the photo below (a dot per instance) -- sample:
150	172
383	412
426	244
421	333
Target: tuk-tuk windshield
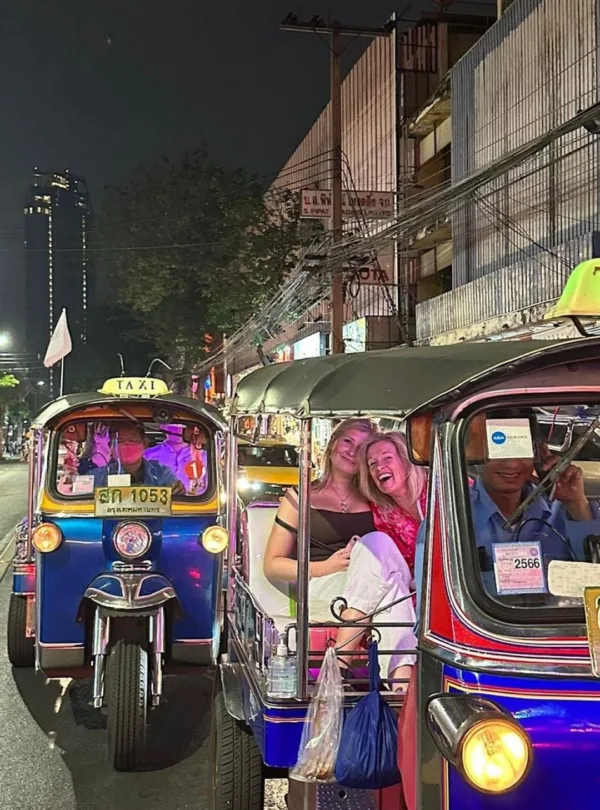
534	547
131	453
276	455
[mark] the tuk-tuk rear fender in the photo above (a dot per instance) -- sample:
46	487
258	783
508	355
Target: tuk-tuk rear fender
129	592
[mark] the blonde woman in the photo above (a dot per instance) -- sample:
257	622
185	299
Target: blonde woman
396	489
347	556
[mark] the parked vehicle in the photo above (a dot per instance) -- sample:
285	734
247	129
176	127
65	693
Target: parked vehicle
503	705
118	571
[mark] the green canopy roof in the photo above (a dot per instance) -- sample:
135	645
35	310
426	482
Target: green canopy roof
394	381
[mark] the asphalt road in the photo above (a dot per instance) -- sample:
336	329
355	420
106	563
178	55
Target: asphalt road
52	741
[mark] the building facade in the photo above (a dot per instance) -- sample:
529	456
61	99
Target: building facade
515	240
57	225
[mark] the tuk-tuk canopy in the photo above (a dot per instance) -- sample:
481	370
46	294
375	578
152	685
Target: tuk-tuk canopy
393	381
75	402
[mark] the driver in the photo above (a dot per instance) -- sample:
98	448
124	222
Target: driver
560	523
131	444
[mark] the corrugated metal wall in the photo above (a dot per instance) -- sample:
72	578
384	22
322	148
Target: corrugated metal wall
517	239
535	69
368	128
369	164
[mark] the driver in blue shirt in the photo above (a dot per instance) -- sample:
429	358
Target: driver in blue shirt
560	524
131	445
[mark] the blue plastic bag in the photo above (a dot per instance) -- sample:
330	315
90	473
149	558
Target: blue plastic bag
367	756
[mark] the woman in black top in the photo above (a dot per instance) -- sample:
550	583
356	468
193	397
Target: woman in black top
348	557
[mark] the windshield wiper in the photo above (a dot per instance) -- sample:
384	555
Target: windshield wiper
552	475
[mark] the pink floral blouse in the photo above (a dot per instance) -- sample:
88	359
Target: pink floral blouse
401	527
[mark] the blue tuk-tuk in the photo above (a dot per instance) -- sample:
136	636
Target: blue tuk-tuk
502	708
118	568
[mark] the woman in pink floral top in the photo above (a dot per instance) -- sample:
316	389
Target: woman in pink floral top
396	489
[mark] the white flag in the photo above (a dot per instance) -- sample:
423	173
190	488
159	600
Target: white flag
60	343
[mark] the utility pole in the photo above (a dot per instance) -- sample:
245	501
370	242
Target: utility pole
336	32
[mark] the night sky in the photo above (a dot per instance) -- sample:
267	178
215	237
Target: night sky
101	86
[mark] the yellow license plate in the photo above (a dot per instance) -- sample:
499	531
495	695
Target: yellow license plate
132	501
591	599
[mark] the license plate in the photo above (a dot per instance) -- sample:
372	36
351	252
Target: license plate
131	501
591	600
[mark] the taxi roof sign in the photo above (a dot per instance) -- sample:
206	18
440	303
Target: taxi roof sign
135	387
581	295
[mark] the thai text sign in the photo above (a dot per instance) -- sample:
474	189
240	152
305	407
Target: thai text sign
316	204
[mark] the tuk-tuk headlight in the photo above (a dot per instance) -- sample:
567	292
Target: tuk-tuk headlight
46	538
495	755
215	539
132	539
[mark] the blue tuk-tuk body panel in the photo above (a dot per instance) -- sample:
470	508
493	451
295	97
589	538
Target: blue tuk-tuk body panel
562	718
87	554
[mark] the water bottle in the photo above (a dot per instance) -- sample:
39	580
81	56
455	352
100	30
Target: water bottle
282	673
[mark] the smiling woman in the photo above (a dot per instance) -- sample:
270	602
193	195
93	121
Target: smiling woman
347	557
396	489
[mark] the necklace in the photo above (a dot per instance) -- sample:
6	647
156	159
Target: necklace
343	501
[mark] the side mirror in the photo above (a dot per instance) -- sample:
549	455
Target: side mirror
419	439
418	435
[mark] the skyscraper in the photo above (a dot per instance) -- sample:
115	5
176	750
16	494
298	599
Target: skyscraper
57	223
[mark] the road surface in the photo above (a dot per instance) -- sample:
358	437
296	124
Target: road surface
52	742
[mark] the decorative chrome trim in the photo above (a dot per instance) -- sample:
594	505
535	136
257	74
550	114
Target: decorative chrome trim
525	391
120	525
131	599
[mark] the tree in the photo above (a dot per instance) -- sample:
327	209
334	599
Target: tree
8	396
110	332
193	249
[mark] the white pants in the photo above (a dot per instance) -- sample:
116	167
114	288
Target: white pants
377	575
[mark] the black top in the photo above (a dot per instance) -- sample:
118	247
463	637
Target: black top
331	531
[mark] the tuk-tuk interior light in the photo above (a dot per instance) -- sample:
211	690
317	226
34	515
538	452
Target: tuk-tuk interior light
46	538
215	539
495	755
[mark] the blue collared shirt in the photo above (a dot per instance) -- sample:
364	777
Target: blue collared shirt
488	523
153	474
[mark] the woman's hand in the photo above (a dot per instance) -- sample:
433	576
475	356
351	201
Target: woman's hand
339	561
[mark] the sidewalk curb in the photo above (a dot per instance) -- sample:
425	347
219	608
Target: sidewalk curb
7	551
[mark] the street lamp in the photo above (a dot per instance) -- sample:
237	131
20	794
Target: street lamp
4	340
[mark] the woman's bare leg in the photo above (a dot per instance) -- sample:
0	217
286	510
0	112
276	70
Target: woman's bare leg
343	642
400	672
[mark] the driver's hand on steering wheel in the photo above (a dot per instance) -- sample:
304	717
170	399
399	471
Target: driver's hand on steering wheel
178	488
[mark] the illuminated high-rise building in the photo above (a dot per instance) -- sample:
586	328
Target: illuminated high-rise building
57	224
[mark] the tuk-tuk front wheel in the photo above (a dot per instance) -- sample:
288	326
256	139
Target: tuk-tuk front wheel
127	698
21	651
237	766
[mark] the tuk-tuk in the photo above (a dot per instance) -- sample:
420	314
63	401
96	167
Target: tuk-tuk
266	469
503	705
118	569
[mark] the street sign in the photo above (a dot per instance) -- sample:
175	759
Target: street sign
316	204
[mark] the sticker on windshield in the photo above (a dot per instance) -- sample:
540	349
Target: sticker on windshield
518	568
508	438
570	579
83	485
123	480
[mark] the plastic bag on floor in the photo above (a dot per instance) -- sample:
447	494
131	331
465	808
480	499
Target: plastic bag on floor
323	726
368	751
